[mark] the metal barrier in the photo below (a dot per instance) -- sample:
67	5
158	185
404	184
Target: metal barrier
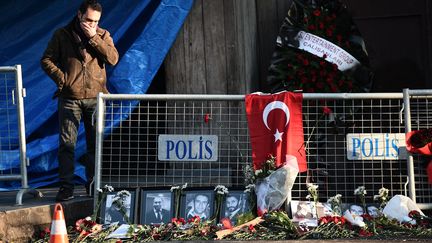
127	153
418	115
12	106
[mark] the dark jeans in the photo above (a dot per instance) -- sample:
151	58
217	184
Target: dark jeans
70	113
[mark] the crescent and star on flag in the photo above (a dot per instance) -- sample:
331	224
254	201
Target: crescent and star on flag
272	106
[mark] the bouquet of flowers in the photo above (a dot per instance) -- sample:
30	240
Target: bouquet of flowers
273	185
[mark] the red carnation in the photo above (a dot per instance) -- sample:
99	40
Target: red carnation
366	233
323	220
367	217
304	80
311	27
305	62
335	67
323	73
336	219
207	118
45	232
251	228
322	63
317	12
327	110
333	88
321	25
413	214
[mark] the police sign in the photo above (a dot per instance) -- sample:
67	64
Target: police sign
376	146
188	147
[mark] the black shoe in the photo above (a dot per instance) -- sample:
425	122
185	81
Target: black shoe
64	194
89	187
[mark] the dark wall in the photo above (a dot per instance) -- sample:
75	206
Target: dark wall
398	38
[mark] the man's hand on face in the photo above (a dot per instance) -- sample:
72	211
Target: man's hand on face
88	30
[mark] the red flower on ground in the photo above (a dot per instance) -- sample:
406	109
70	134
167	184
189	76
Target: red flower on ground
251	228
367	217
317	12
323	220
178	221
45	232
84	226
364	232
413	214
194	219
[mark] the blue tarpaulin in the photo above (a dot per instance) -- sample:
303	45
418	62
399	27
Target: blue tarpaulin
143	32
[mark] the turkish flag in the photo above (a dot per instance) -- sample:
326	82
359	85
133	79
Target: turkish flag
276	128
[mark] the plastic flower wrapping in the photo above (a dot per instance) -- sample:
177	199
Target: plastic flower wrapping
273	190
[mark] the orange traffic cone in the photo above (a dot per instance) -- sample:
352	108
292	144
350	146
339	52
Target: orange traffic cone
58	226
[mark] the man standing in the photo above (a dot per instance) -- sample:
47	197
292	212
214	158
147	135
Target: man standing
75	60
158	215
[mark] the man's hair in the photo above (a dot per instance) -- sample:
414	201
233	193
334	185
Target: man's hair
235	196
93	4
203	195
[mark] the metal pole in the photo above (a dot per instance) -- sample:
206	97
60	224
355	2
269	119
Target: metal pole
100	113
21	126
410	160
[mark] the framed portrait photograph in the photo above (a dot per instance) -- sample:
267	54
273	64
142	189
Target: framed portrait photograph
197	203
236	203
157	206
373	210
303	213
119	206
355	209
324	209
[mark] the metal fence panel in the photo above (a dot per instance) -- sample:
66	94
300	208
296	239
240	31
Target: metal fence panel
129	151
12	134
8	132
419	107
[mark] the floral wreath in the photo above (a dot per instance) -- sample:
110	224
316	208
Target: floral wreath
295	69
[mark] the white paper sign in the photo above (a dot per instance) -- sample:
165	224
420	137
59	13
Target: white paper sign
376	146
188	147
319	46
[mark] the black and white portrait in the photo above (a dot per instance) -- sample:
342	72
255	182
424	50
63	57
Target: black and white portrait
157	207
235	204
356	210
198	203
118	208
303	213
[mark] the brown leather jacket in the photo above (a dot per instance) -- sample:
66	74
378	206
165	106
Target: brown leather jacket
76	67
